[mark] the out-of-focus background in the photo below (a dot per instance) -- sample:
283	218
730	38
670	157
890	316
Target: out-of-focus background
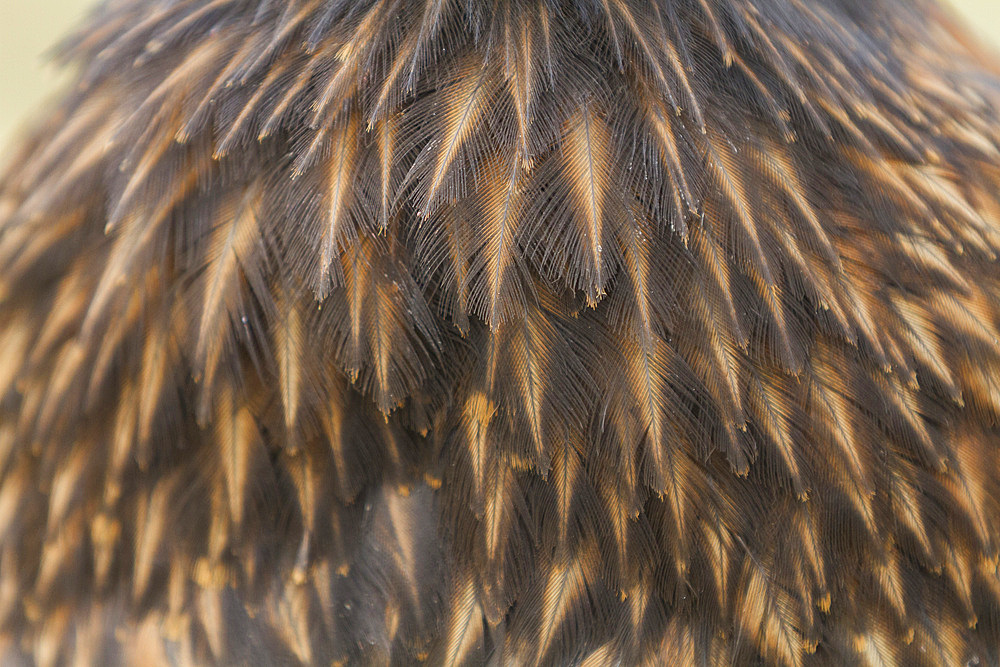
28	29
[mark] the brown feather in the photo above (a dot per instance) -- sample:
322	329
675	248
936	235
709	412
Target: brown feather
533	332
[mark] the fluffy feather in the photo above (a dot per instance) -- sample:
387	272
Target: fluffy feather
584	331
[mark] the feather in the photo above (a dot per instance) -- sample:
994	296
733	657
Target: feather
390	337
722	163
340	178
151	526
465	626
587	161
237	129
240	451
497	289
288	97
386	133
290	351
776	417
768	615
521	78
718	34
664	132
159	358
565	584
440	331
531	368
430	24
135	243
465	104
231	251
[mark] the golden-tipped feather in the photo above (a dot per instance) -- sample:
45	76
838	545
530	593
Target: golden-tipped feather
536	332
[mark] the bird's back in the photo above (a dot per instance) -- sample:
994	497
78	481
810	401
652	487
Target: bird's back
534	332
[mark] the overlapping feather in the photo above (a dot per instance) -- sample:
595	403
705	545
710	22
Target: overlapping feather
557	332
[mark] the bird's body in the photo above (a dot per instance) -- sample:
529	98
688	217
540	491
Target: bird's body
536	332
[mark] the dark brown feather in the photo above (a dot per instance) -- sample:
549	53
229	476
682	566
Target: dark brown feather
534	331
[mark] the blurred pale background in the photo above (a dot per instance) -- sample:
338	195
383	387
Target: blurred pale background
29	28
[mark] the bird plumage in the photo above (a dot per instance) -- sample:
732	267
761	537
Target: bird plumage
544	332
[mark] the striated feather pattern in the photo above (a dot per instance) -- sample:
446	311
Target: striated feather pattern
532	331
